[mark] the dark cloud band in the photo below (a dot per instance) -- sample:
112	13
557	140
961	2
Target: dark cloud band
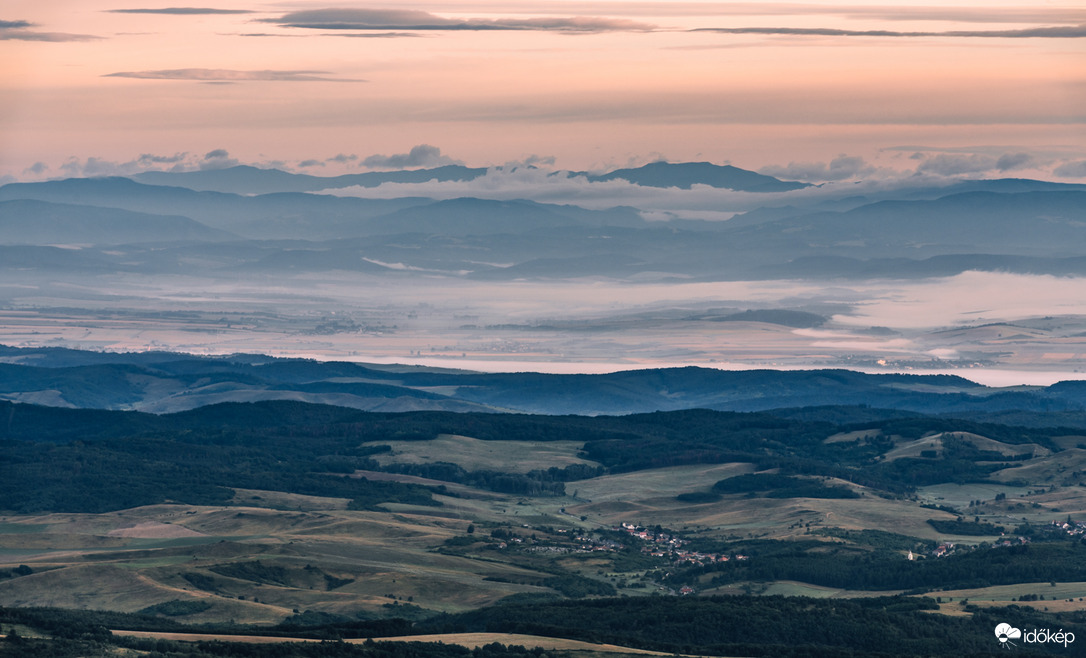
180	11
415	20
422	155
19	30
1057	32
354	35
54	37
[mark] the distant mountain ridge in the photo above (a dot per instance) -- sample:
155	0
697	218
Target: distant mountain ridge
168	382
302	216
1000	225
685	175
32	222
244	179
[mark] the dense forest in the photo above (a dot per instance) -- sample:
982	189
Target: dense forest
92	461
163	382
849	566
724	626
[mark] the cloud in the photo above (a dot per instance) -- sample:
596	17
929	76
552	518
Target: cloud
702	202
842	167
421	156
413	19
353	35
177	162
19	31
150	159
90	167
218	159
228	75
94	166
955	164
980	160
564	187
1075	169
534	160
1012	161
1056	32
180	11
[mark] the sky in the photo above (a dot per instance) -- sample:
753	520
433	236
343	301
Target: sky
811	90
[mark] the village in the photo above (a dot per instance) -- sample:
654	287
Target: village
658	543
669	545
1047	532
671	549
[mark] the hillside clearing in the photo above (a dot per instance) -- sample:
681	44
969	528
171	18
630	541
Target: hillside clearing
476	455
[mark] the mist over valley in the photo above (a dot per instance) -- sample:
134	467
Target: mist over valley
877	283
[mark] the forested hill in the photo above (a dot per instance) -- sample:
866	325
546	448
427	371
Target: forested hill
163	382
93	460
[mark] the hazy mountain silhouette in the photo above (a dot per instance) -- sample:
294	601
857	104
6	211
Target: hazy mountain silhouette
251	180
268	216
244	179
169	382
686	174
320	217
39	222
1038	228
1049	224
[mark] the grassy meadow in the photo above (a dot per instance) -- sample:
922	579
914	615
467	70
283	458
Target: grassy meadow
263	557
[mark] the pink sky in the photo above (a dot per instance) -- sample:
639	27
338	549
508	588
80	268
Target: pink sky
961	87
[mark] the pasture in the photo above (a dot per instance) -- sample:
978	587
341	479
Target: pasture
475	454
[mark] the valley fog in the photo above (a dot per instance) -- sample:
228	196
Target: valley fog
994	328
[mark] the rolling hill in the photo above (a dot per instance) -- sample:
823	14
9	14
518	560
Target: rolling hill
163	382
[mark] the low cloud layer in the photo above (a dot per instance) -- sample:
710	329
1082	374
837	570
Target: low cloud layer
93	167
842	175
563	187
176	162
1076	169
421	156
535	178
843	167
229	75
218	159
413	19
957	164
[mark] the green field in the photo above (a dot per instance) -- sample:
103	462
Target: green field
475	455
388	558
258	556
